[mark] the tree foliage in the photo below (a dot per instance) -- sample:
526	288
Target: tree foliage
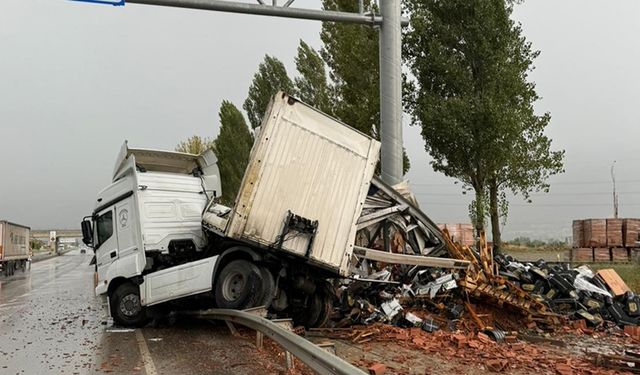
311	85
232	148
472	97
270	77
194	145
352	54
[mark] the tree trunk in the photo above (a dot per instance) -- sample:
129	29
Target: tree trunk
494	214
479	219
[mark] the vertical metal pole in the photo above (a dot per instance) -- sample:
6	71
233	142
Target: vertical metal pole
390	92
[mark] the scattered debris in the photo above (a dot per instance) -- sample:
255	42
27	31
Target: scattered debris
493	302
377	369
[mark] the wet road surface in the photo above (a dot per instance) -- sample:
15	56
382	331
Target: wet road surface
51	323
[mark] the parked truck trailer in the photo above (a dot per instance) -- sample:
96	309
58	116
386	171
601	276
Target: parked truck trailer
14	247
161	237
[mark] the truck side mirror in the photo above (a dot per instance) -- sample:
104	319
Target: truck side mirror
87	232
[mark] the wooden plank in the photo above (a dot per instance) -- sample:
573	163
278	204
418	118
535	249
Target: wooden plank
381	256
615	283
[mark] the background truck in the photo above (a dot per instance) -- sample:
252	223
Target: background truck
160	236
14	247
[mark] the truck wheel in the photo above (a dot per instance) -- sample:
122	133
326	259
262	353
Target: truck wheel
319	307
238	286
324	306
268	287
126	308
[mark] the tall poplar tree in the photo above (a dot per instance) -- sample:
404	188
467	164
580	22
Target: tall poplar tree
232	148
270	77
472	97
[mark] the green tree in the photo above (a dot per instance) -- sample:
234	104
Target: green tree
194	145
232	148
270	77
312	86
352	54
474	103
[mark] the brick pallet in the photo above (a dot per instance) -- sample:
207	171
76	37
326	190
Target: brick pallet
604	255
605	240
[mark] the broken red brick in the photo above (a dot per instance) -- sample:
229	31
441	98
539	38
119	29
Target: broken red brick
511	338
579	324
633	331
459	339
484	338
497	365
377	369
564	369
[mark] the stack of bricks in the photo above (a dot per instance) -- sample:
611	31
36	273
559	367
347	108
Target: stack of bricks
631	230
460	233
578	233
620	254
614	233
595	232
582	254
601	254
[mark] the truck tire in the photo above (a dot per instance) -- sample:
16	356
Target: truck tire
319	308
126	309
324	309
238	285
268	287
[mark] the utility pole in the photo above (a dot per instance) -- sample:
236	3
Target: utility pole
615	195
390	22
391	151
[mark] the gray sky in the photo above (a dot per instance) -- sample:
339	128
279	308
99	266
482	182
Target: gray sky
76	80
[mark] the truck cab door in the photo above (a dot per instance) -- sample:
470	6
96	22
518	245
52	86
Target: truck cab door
131	258
106	242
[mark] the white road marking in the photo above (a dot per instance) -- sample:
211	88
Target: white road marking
149	367
10	304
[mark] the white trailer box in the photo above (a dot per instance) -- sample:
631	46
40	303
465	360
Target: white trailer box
14	246
308	164
14	241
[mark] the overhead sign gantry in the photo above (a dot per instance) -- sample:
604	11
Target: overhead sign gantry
389	22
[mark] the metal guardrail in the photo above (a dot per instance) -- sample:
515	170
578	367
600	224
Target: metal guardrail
318	359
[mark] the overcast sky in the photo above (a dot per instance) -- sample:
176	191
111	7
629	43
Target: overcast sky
77	79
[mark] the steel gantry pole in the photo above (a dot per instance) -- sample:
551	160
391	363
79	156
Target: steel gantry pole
390	22
391	92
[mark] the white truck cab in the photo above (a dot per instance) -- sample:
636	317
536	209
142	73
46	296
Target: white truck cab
146	220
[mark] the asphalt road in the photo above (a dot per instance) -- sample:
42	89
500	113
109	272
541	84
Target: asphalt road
51	323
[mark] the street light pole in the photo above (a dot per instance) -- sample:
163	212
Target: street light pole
391	92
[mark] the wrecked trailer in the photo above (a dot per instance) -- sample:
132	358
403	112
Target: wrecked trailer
307	201
160	234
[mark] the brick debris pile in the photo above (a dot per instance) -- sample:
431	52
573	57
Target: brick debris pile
496	300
